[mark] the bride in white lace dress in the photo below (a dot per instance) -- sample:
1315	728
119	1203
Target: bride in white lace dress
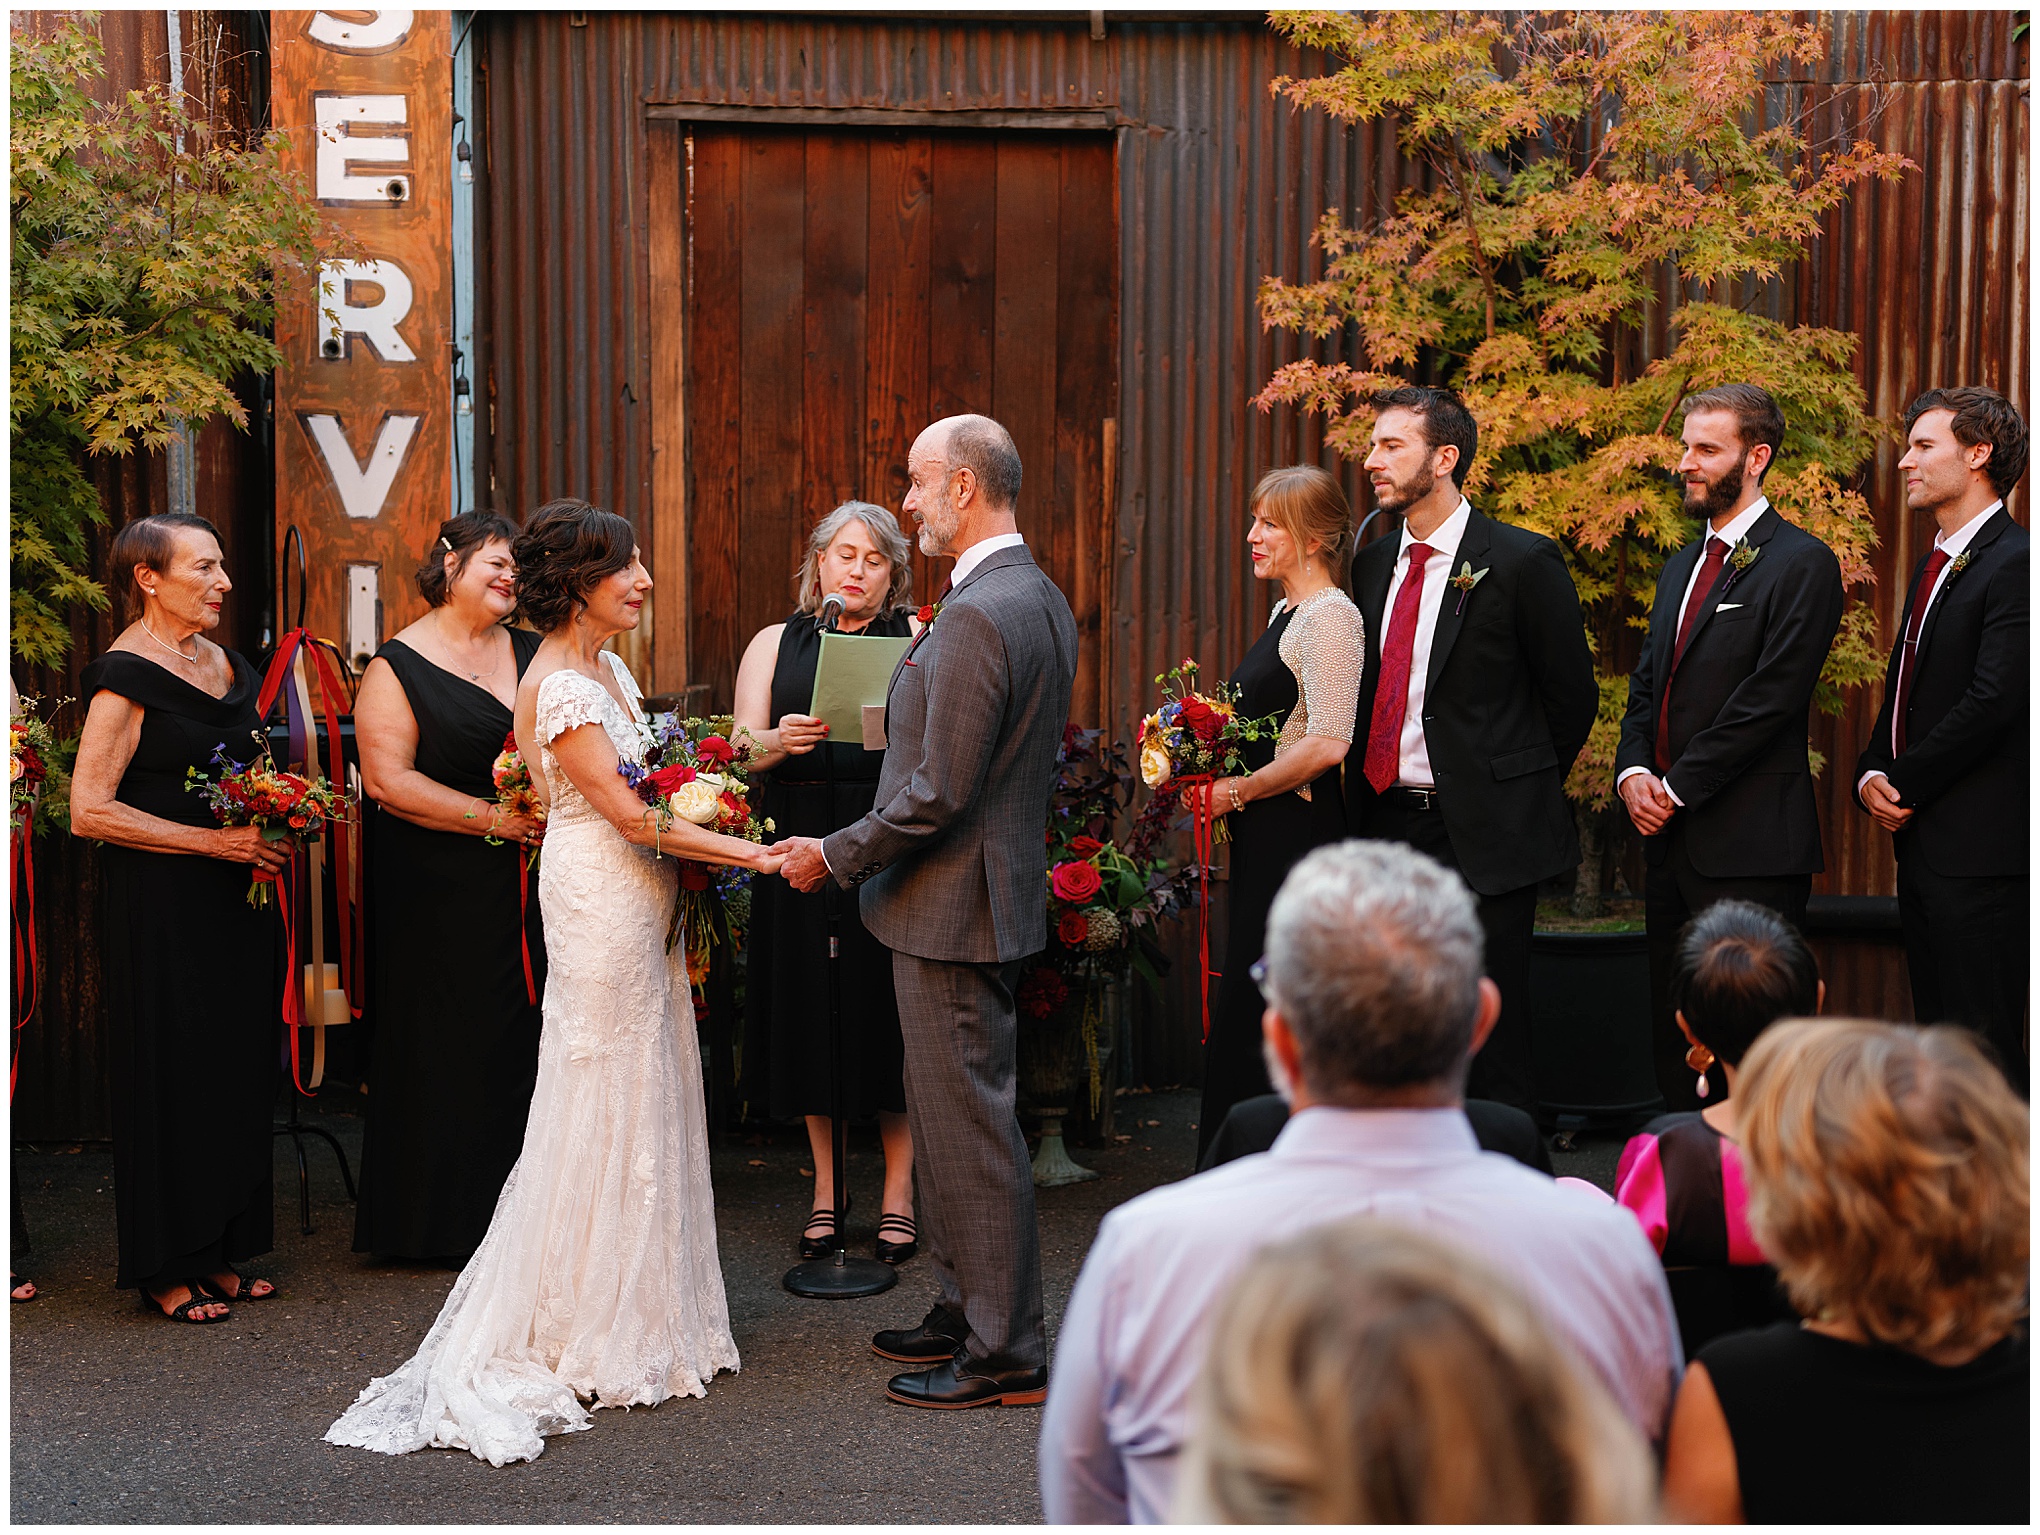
598	1281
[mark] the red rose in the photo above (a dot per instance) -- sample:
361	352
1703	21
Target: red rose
300	820
669	778
714	751
1074	881
1042	992
927	615
735	808
694	876
1084	847
1073	929
1203	721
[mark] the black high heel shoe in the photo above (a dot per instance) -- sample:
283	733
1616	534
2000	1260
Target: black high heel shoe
818	1236
888	1251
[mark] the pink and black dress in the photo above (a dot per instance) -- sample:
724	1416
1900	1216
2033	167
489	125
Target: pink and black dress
1683	1180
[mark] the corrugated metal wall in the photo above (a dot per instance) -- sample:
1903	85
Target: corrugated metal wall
1219	186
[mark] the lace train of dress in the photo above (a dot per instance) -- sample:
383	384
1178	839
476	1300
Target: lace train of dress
599	1278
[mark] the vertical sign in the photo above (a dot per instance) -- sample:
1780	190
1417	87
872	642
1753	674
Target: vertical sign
364	396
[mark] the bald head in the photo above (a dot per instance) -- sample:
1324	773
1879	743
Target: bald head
985	448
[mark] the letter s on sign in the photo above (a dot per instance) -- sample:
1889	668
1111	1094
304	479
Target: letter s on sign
384	29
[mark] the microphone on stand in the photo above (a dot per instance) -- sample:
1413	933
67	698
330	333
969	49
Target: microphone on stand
831	614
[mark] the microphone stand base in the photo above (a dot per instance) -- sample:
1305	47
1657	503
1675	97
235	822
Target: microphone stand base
840	1277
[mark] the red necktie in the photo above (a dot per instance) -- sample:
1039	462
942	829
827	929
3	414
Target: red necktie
1909	648
1392	692
1703	588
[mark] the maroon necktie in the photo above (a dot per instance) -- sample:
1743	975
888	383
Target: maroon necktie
1703	588
1909	648
1392	692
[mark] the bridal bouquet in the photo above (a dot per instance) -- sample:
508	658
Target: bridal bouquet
515	793
1195	737
696	773
258	793
32	752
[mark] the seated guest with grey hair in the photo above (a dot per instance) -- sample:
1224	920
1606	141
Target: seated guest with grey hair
856	553
1376	1003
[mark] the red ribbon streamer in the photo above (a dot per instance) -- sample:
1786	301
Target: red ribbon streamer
27	966
350	914
1201	824
524	922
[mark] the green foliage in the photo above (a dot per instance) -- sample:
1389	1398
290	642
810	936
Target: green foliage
1579	164
146	246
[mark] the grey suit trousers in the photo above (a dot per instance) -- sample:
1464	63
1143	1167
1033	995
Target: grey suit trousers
974	1186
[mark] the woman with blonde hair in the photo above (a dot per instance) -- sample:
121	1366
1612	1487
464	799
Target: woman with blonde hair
858	555
1305	671
1366	1374
1888	1183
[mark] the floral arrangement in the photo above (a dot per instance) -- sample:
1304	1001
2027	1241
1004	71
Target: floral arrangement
696	773
1107	892
257	793
1195	737
32	758
515	793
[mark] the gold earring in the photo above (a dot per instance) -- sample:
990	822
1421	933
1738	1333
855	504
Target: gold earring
1699	1058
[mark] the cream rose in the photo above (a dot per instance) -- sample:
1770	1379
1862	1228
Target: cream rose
1154	765
697	801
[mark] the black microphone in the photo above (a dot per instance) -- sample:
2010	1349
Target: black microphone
831	614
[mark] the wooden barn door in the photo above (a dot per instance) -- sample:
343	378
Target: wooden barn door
847	288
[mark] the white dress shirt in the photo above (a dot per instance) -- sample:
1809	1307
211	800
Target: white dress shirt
977	553
1953	544
1413	754
1737	530
1133	1340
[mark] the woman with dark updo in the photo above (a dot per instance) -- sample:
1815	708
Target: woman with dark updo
454	916
598	1280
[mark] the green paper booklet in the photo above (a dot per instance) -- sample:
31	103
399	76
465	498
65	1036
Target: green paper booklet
851	677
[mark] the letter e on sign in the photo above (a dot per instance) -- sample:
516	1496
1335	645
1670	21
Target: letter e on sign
341	149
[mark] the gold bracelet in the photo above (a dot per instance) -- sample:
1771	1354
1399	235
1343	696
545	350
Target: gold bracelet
1232	788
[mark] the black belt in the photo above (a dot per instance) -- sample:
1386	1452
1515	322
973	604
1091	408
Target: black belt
1414	799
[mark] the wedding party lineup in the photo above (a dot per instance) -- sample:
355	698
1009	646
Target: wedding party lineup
1076	768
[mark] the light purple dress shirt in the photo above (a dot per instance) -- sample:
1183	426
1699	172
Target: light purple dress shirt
1134	1337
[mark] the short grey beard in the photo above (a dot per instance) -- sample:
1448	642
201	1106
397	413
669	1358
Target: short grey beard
934	544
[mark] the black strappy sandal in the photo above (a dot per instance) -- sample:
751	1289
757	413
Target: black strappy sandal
818	1236
242	1292
188	1309
888	1251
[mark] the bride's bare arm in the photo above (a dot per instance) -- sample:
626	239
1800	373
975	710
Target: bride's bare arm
587	756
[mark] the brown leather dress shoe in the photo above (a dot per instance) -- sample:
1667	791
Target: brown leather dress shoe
967	1382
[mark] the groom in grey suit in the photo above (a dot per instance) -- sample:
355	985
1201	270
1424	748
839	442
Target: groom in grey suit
953	867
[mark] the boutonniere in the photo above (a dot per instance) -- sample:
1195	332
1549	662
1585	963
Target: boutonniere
1464	583
930	611
1959	564
1740	559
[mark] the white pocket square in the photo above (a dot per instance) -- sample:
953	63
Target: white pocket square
1723	607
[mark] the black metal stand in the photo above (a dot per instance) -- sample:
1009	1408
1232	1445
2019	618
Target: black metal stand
838	1276
297	1131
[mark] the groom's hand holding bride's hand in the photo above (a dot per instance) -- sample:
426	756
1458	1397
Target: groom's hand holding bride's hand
805	868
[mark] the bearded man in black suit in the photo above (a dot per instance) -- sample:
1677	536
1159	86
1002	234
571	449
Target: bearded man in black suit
1945	770
1712	764
1477	694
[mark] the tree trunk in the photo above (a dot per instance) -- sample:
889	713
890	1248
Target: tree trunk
1587	900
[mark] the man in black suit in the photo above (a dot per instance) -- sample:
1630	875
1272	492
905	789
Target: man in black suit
1478	693
1945	769
1712	764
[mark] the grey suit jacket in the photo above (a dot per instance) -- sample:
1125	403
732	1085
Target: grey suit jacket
952	861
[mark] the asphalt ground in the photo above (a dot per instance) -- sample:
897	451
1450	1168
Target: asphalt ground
117	1415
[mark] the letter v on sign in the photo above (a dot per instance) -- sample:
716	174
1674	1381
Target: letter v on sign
362	487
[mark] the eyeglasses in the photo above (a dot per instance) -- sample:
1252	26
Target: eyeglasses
1257	972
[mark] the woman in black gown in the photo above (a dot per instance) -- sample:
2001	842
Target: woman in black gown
1304	670
857	553
192	973
452	918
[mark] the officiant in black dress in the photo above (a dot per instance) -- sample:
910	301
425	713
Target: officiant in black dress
856	553
192	973
1305	671
456	950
